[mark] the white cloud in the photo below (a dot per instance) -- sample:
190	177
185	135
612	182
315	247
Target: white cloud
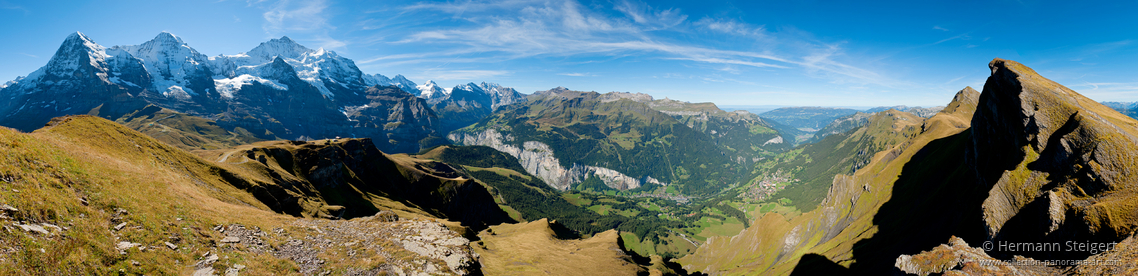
939	28
287	15
522	29
730	27
303	17
577	74
9	6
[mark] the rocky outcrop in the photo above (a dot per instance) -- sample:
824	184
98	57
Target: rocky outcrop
957	258
1056	159
407	246
537	159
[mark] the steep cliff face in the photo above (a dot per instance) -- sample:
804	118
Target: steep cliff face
537	159
1061	163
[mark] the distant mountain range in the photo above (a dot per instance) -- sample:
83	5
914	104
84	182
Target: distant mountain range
278	90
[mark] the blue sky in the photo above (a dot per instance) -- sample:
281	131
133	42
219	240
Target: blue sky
827	53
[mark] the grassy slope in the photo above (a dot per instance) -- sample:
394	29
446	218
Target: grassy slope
832	230
534	248
815	165
651	226
184	131
351	178
51	172
743	134
87	175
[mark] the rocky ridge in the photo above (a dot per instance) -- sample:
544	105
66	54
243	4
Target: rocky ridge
1054	154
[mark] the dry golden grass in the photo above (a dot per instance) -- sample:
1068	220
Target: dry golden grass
533	249
79	173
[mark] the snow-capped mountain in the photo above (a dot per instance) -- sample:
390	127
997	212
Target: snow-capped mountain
465	104
278	90
501	95
171	64
432	91
397	81
11	82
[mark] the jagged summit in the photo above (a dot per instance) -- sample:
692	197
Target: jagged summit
167	36
283	46
965	98
170	62
1078	150
428	90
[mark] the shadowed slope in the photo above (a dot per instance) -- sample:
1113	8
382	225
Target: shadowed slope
1037	163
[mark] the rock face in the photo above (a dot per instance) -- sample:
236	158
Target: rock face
957	258
537	159
468	103
1057	159
278	90
407	122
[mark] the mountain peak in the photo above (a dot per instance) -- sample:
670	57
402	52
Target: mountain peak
77	36
81	40
966	98
283	47
166	36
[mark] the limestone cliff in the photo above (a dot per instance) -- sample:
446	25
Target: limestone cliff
537	158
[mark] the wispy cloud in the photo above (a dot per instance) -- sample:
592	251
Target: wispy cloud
523	29
287	16
9	6
577	74
30	55
959	36
642	13
729	27
940	28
